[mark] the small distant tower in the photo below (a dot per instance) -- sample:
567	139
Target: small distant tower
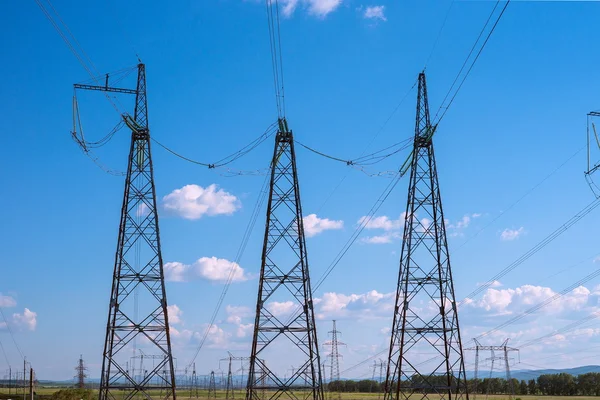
81	375
334	359
212	387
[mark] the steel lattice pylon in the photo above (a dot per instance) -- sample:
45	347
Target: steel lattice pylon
284	277
137	317
334	359
425	356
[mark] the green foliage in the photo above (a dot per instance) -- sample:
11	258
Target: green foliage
73	394
547	385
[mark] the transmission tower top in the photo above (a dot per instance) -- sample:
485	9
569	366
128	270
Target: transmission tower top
137	325
425	277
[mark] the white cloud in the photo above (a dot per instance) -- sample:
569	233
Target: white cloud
142	210
280	309
513	301
174	313
217	338
367	305
476	215
383	222
235	316
210	268
236	313
375	12
7	301
464	222
193	202
314	225
244	330
381	239
494	284
219	269
289	6
319	8
28	319
511	234
182	336
176	271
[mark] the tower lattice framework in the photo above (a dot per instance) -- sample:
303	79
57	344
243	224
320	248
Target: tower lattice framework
425	356
334	359
284	276
81	373
137	317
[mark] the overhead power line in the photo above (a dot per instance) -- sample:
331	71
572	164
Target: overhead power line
487	38
73	44
276	56
368	159
531	190
230	158
4	353
11	334
539	246
245	238
361	226
546	302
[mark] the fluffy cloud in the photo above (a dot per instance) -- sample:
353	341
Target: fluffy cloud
380	239
176	271
457	228
236	313
244	330
517	300
174	313
235	316
142	210
371	304
210	268
280	309
219	269
512	234
7	301
314	225
217	338
319	8
27	320
384	222
375	12
193	202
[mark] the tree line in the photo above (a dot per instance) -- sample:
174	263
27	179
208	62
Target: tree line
562	384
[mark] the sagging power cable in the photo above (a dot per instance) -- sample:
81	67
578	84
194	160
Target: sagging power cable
230	158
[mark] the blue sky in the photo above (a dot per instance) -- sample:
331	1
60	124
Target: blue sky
519	116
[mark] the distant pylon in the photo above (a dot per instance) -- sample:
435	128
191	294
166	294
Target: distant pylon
334	358
284	276
425	278
81	375
138	301
229	394
504	357
212	387
194	381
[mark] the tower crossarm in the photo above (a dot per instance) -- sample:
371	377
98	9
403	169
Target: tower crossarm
105	88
